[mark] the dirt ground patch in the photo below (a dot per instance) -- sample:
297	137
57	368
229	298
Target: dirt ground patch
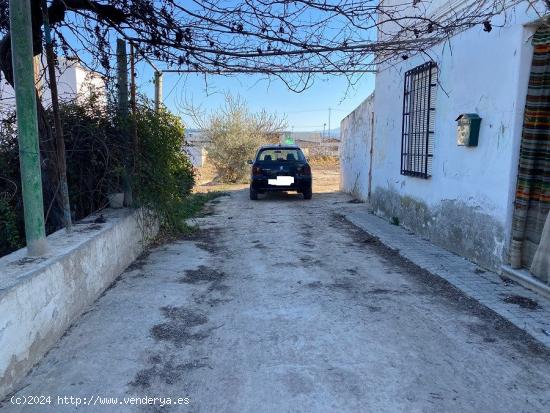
178	329
202	273
326	178
523	302
206	239
165	372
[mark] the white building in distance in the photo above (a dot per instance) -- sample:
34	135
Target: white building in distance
74	81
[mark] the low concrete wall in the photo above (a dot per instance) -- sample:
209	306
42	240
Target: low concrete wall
41	297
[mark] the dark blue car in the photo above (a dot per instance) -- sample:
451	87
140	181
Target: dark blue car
279	168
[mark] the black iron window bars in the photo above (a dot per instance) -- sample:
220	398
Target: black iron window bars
418	120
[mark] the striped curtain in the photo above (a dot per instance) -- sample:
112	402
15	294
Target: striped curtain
533	187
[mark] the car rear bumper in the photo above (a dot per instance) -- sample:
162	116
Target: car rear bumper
261	184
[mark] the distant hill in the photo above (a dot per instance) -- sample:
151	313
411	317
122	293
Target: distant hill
334	133
196	135
314	136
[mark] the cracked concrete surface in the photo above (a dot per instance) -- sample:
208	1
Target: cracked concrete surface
279	305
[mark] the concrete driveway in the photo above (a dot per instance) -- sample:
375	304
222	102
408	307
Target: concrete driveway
280	305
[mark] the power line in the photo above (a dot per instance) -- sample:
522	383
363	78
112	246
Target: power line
173	88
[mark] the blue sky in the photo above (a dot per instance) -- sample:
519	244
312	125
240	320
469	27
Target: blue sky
304	111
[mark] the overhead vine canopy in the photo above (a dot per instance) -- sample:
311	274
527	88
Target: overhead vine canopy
289	39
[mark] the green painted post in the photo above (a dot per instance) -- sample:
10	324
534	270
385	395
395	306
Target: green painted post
27	125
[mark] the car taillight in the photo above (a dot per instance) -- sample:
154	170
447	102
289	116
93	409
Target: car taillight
256	170
306	170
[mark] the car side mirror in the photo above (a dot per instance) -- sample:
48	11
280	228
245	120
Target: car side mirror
250	162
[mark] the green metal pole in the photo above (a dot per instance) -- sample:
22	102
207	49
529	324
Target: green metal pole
27	125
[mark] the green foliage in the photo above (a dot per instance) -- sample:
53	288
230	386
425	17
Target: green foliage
195	202
94	151
235	134
165	176
97	144
9	232
11	211
162	175
193	206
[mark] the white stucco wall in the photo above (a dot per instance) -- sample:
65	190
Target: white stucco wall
484	80
73	81
467	203
356	136
197	154
89	83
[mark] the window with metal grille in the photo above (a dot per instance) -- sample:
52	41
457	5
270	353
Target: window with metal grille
418	120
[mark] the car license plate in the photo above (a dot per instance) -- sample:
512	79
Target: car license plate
281	181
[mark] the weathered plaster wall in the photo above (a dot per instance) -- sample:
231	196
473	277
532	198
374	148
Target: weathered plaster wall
41	297
466	206
452	223
356	137
197	154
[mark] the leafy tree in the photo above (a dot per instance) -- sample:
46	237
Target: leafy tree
234	134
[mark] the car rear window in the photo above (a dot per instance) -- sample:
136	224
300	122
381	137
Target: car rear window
278	155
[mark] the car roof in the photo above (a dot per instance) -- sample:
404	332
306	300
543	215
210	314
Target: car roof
285	146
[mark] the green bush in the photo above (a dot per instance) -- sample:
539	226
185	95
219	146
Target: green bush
9	232
94	151
11	209
165	175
